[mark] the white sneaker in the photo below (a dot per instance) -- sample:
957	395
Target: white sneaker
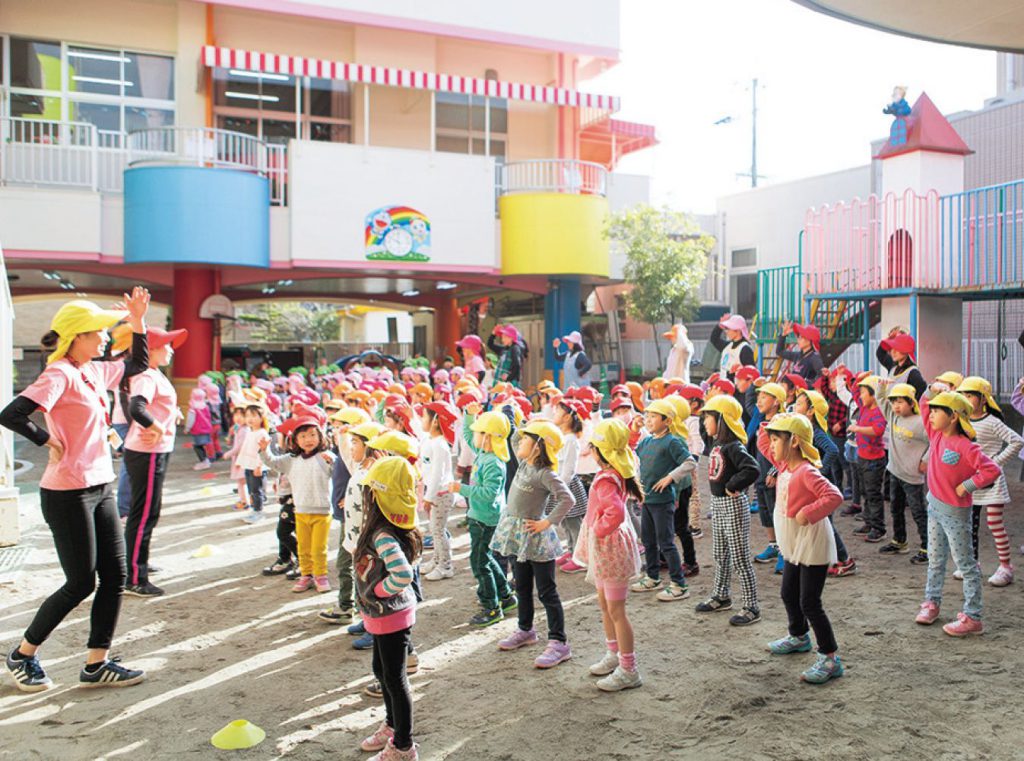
606	665
673	592
440	572
204	465
646	584
620	679
958	575
427	568
252	517
1002	576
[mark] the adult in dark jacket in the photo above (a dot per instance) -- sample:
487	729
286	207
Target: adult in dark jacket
505	342
896	354
806	358
731	337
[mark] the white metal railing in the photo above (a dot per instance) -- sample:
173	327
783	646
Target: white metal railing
553	176
44	152
6	375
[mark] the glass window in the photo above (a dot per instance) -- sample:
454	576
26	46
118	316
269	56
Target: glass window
104	116
149	76
244	124
94	71
461	124
35	65
744	257
452	144
452	111
330	133
744	293
35	106
330	98
136	118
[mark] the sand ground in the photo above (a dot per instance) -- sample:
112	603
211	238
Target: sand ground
227	643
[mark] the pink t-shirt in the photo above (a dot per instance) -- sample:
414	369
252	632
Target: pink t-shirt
75	404
161	404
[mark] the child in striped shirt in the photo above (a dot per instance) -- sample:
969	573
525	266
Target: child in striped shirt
389	545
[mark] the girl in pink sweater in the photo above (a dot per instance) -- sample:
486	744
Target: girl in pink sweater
608	546
956	469
804	498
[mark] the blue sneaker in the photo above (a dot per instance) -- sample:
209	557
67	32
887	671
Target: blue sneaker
110	674
357	628
428	542
780	563
768	554
365	642
825	668
790	644
27	674
753	507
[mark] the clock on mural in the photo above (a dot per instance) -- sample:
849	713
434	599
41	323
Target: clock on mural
397	233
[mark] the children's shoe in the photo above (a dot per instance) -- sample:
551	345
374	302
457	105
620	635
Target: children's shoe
753	508
919	558
928	613
894	548
27	673
412	663
509	604
303	584
843	568
241	506
278	568
110	674
646	584
293	574
364	642
673	592
780	564
714	604
426	568
964	626
143	590
391	753
790	644
379	739
556	652
487	617
852	509
825	668
374	690
696	533
620	679
691	570
958	575
1002	576
359	627
253	517
323	584
438	573
428	542
746	617
874	536
606	665
565	557
570	566
336	616
518	639
204	465
862	530
768	554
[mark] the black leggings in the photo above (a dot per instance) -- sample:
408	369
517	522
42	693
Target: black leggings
389	654
544	574
89	542
682	526
146	472
287	544
802	586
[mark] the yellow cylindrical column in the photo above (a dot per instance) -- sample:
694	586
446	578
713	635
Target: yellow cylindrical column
553	234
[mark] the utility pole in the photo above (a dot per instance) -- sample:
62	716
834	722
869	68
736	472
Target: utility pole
753	147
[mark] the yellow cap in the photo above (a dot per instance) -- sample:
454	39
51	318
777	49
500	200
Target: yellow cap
393	482
548	433
905	391
80	316
663	407
396	443
800	428
731	412
611	438
960	406
951	378
775	390
367	430
819	407
350	416
871	382
495	425
677	426
979	385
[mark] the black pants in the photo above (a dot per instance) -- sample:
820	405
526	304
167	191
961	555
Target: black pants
257	490
802	586
872	473
87	536
902	496
765	504
544	575
146	471
287	544
682	525
389	654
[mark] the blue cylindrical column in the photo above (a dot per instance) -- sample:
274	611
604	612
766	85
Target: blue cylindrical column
561	315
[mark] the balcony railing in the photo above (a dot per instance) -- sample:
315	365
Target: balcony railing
553	176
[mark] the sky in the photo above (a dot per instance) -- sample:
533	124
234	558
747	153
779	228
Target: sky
685	64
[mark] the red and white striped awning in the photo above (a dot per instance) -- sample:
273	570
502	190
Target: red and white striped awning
272	63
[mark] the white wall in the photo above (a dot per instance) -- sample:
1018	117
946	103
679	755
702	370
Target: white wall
624	192
375	327
51	220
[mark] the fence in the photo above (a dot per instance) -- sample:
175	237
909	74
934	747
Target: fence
6	377
553	176
983	237
643	353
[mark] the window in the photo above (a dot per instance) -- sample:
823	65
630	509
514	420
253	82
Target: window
419	339
744	257
279	107
744	293
115	90
462	126
392	330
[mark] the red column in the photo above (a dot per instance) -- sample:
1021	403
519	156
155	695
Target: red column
447	326
191	287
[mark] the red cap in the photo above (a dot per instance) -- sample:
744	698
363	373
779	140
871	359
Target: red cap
748	372
726	385
155	337
303	414
306	396
618	404
586	394
713	378
844	371
796	380
903	342
273	403
580	408
524	404
405	414
471	342
811	333
860	376
447	418
675	388
621	388
691	391
466	399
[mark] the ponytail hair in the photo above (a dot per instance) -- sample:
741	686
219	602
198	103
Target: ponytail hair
634	488
49	340
543	458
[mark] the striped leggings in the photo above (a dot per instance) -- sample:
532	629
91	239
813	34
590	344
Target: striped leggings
730	531
994	516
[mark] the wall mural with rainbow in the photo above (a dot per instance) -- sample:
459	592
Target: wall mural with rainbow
397	234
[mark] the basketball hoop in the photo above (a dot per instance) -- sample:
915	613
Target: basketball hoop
217	306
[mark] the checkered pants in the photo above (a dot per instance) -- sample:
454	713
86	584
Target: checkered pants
730	531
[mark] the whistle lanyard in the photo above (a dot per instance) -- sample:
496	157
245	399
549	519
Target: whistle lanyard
101	397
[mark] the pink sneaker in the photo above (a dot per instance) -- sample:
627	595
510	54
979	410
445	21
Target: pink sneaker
928	613
323	584
556	652
1002	577
391	753
562	559
518	639
964	626
303	583
571	567
379	739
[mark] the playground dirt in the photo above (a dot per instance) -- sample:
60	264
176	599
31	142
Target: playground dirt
227	643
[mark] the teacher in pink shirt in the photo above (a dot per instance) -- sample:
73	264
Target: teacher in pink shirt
75	492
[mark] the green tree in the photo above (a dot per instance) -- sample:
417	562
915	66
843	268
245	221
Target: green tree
666	262
293	321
